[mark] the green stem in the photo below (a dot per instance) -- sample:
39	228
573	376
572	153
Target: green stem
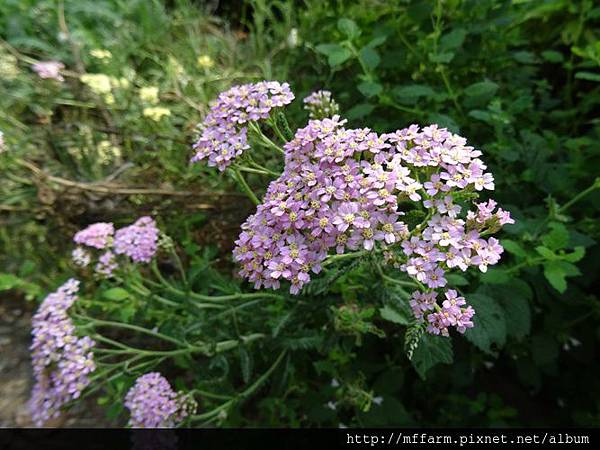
579	196
333	258
242	182
243	395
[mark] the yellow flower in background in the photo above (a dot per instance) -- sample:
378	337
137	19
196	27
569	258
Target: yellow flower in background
205	61
8	66
149	94
101	54
108	152
109	98
156	112
97	82
122	82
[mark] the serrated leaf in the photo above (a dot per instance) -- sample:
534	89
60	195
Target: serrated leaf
393	315
348	27
116	294
412	92
483	88
552	56
557	238
453	40
336	54
513	247
495	276
455	279
369	57
369	88
432	350
556	273
359	111
514	301
589	76
441	58
576	255
546	252
489	323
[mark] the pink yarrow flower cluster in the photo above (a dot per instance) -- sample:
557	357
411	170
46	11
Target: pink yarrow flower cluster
224	131
348	189
153	403
62	361
138	241
49	70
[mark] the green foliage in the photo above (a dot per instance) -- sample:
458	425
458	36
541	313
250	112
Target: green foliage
519	79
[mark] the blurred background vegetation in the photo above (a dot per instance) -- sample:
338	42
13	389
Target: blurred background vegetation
520	79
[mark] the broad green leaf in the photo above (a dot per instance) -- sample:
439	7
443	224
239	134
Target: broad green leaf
546	252
455	279
489	323
432	350
369	88
348	27
576	255
525	57
369	57
453	40
590	76
513	247
411	92
556	273
393	315
376	42
441	58
9	281
495	276
336	54
360	110
557	238
483	88
444	121
518	314
552	56
115	294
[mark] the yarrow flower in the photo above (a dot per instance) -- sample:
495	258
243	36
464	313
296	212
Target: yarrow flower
98	235
153	403
320	104
224	130
349	189
138	241
49	70
62	361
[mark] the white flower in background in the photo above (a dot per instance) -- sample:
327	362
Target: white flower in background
156	112
149	94
99	53
107	152
205	61
293	39
2	144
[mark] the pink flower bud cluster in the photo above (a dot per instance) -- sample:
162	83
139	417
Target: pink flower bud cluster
224	130
320	104
138	241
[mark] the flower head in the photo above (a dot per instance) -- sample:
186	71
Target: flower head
49	70
62	361
152	403
138	241
224	130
